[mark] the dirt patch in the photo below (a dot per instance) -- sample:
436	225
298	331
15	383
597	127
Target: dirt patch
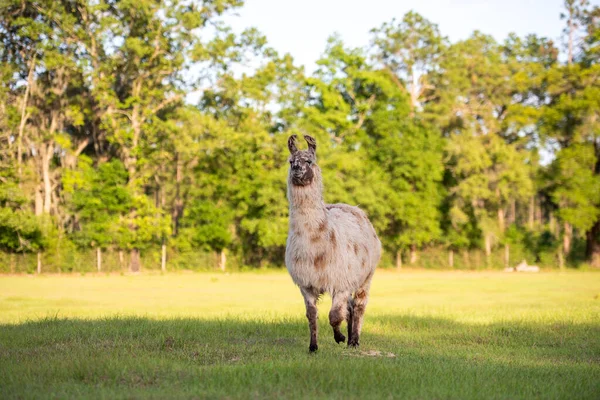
371	353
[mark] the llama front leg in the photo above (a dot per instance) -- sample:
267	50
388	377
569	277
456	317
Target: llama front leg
349	317
338	313
361	297
310	301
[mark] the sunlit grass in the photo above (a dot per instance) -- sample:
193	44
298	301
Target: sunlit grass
426	335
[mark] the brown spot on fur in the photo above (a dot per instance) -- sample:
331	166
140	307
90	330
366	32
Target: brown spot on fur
296	259
320	261
355	248
360	294
323	225
320	230
332	238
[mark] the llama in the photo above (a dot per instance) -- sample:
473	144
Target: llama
331	248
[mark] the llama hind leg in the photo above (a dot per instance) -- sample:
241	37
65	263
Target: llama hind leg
310	301
338	313
361	297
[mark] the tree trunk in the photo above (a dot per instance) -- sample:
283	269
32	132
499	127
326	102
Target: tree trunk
506	255
39	262
177	202
592	248
135	264
488	245
121	261
561	259
398	259
222	259
24	117
413	254
163	259
593	245
531	211
39	201
47	153
99	258
414	92
451	258
513	212
571	27
501	223
552	224
567	238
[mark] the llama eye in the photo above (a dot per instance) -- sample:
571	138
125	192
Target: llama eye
309	162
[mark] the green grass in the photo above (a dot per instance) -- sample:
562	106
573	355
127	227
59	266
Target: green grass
426	335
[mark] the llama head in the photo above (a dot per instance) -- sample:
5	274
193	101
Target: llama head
303	163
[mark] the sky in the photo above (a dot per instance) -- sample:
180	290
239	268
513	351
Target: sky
301	27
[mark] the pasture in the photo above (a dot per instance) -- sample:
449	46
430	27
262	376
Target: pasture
462	335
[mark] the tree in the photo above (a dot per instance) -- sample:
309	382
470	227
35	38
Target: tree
570	120
20	229
389	155
576	188
574	14
409	51
209	227
100	202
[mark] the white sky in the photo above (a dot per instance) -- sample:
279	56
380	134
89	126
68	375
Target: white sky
301	27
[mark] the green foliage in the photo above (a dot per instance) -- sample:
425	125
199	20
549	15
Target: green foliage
100	200
576	188
132	125
20	230
487	174
209	225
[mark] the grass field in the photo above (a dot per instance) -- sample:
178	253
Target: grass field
426	335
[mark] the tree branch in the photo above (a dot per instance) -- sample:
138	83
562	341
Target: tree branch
164	103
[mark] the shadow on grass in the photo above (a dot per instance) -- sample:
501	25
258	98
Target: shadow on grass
192	358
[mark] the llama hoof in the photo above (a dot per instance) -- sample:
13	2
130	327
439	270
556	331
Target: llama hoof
339	337
353	343
313	348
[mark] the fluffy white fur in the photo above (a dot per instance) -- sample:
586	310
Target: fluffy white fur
312	258
330	248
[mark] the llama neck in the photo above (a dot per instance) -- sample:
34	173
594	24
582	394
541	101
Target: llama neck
306	202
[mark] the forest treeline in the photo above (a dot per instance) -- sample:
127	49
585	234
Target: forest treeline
150	133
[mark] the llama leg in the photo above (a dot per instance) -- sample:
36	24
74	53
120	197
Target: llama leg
310	301
338	313
361	297
350	317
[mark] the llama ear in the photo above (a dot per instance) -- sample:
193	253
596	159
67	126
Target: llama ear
312	144
292	144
